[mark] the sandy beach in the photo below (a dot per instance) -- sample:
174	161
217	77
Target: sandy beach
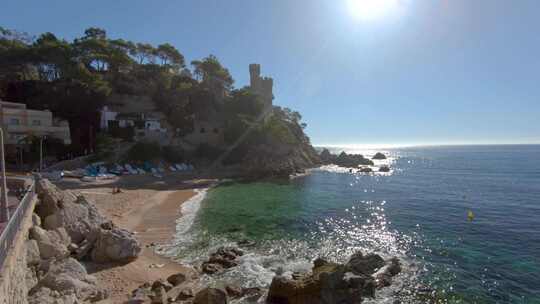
147	207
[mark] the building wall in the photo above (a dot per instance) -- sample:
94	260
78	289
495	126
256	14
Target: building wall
205	132
20	122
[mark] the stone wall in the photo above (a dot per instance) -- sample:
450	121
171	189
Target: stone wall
13	287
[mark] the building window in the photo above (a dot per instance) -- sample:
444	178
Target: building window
203	130
14	121
36	122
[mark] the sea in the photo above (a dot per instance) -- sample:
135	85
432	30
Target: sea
464	220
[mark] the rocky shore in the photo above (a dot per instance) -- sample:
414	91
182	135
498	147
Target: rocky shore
68	231
327	283
71	238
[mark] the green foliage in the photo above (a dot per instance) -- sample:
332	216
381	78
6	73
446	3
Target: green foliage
141	152
172	154
105	146
126	133
213	75
208	152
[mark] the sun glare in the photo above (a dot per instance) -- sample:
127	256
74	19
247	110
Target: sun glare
371	9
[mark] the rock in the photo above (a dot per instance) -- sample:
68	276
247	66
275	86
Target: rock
31	277
176	279
328	282
141	295
116	245
383	276
365	170
36	220
210	268
394	267
319	262
211	296
51	198
159	295
80	218
379	156
366	265
161	284
69	276
234	291
180	293
384	169
32	253
223	258
51	244
44	295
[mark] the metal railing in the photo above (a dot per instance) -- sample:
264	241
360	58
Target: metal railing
7	238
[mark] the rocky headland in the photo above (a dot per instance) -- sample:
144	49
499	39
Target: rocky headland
354	161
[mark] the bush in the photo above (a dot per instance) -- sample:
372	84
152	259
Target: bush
208	152
172	154
143	152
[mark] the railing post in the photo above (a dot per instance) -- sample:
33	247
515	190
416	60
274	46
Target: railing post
4	211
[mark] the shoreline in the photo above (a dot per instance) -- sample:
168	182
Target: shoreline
153	215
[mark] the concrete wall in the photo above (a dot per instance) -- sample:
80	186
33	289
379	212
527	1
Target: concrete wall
13	287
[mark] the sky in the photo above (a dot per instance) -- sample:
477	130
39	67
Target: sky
420	72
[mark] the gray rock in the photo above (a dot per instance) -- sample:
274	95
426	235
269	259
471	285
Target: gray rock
379	155
79	217
116	245
51	244
36	220
211	296
69	276
32	253
367	265
44	295
161	284
328	283
177	279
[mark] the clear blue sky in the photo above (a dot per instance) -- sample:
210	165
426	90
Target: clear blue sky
455	71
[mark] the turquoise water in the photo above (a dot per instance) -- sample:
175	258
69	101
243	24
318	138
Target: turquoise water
417	212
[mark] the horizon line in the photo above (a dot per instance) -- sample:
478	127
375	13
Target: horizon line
405	145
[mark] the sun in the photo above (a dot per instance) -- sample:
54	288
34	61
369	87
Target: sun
371	9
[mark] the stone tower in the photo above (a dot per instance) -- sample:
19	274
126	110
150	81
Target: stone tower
261	86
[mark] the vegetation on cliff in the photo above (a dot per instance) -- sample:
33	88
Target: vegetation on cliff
74	79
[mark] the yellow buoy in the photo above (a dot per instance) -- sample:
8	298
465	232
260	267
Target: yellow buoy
470	216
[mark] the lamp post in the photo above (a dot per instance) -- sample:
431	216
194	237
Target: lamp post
4	211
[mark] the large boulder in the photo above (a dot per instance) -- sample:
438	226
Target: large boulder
68	276
59	208
211	296
335	283
115	245
51	198
51	244
328	283
379	155
44	295
80	218
365	264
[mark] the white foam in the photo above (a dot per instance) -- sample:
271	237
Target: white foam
189	211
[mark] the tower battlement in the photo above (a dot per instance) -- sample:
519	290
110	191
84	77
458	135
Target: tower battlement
262	86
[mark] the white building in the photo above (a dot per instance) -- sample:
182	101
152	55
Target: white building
147	126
